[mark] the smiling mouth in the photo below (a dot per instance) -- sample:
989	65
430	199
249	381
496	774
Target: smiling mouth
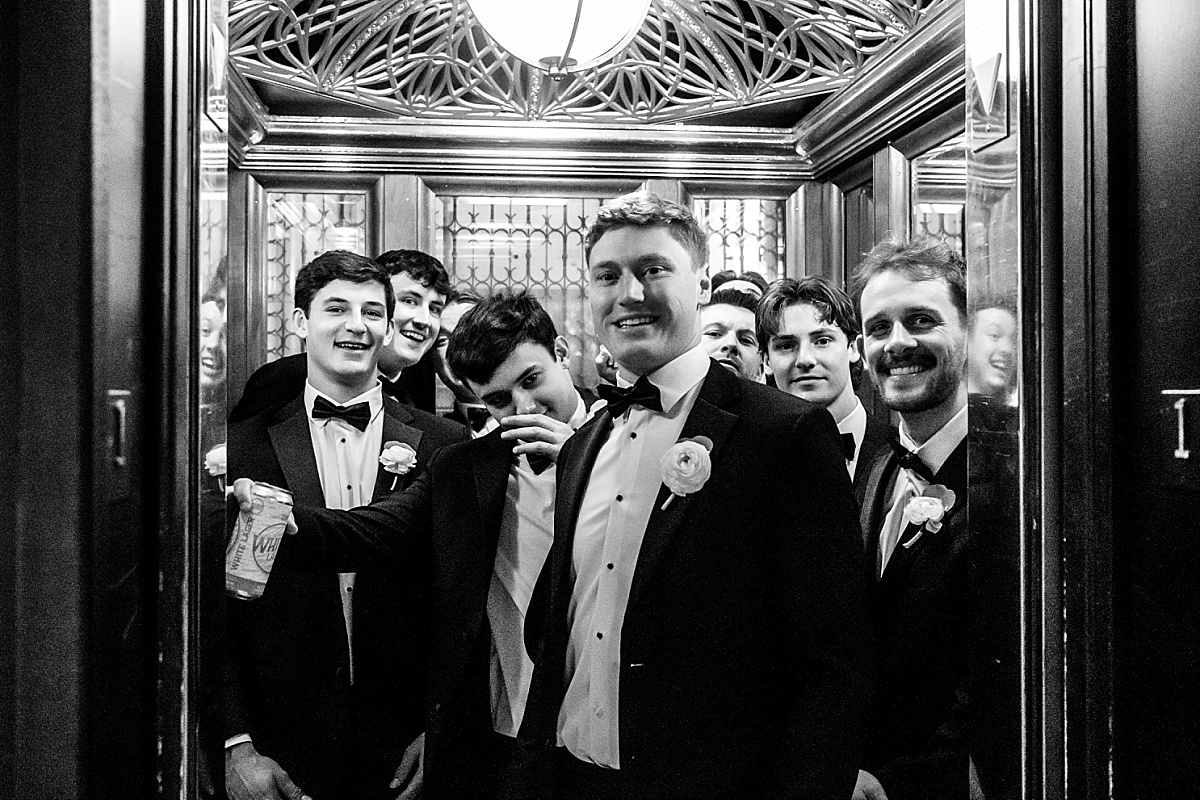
354	347
633	322
414	336
911	369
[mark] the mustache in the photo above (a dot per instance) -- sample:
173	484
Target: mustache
915	358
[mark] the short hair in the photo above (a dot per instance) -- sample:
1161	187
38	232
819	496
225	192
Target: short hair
342	265
217	288
643	209
920	259
496	326
989	301
733	297
463	294
421	267
831	302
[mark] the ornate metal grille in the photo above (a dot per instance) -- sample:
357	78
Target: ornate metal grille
301	226
431	59
744	235
940	221
489	243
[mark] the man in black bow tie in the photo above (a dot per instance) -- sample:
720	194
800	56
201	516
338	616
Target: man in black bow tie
912	297
703	636
325	673
808	332
480	522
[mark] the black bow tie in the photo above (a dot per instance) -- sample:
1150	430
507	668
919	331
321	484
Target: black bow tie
538	463
910	460
357	415
848	446
643	393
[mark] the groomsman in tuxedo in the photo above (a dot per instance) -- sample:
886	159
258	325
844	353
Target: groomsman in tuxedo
704	630
420	285
808	331
324	674
479	520
912	297
727	332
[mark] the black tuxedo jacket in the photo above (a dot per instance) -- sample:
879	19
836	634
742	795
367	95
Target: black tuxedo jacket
287	678
916	744
744	644
875	438
282	380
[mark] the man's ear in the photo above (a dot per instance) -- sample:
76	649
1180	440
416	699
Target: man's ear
300	322
562	350
855	349
391	333
705	289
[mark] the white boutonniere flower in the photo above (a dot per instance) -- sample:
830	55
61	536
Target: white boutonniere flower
928	510
214	462
686	467
398	458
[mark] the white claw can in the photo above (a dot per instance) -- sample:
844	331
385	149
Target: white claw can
255	541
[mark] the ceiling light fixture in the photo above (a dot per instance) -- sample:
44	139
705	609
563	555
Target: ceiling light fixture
560	36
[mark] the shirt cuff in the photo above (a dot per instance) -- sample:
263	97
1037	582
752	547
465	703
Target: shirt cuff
239	739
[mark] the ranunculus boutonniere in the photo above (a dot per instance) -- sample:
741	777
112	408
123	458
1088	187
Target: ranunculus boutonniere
397	458
928	510
686	467
214	462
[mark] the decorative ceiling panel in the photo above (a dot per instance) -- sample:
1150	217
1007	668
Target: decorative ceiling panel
431	60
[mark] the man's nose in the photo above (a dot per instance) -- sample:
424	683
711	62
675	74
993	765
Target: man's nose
727	344
355	322
806	355
631	289
525	403
421	317
899	340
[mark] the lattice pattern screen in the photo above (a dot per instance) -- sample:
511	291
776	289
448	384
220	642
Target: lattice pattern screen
301	226
489	243
941	221
744	235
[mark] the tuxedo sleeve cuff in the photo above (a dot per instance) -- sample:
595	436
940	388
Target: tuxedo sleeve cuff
234	740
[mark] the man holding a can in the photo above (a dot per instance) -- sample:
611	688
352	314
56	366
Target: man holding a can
325	672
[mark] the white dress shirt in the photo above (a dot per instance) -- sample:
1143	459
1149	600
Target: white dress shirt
854	423
908	484
526	533
347	464
616	506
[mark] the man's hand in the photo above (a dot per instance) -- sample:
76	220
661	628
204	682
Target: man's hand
250	776
411	773
867	788
536	434
243	490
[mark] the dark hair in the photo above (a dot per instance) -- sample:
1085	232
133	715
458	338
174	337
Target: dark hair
988	301
421	267
833	305
489	332
922	259
217	288
733	297
341	265
464	294
644	209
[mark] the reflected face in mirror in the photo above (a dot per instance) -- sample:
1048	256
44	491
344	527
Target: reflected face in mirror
346	326
532	380
914	341
645	294
416	320
450	317
212	347
727	333
992	352
810	357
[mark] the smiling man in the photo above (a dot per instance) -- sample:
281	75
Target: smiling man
324	674
727	331
479	522
808	331
912	297
992	354
709	643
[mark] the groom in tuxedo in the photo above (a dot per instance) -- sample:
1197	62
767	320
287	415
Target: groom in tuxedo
701	638
324	674
912	297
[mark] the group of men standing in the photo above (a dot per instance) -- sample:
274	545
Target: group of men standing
698	586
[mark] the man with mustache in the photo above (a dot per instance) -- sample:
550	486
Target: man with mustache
808	332
324	675
912	299
727	332
700	639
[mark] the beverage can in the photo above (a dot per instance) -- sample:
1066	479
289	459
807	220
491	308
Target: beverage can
255	541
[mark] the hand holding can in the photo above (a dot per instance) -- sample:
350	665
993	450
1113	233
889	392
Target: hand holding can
255	541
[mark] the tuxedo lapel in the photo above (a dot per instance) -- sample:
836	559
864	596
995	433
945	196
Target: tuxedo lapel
491	468
395	429
707	418
876	503
294	449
